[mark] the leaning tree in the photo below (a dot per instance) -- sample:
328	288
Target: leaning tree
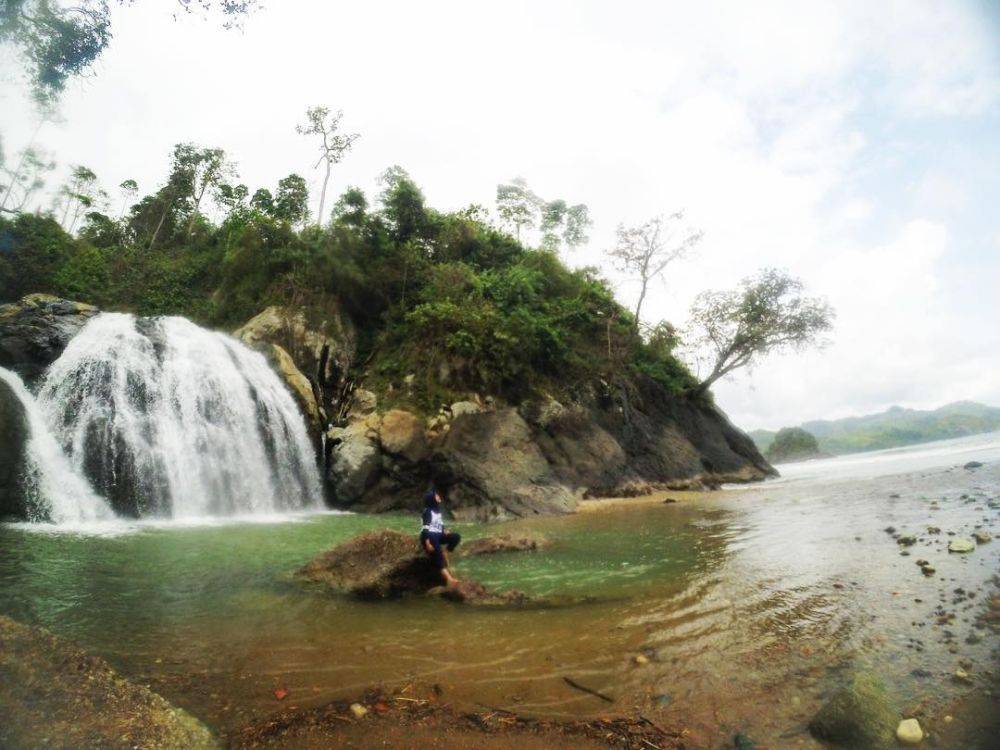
766	313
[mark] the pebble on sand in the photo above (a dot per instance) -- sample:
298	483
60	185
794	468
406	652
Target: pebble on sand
961	545
909	732
358	710
640	660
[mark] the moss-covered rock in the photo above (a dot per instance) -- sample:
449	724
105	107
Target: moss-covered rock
860	716
52	694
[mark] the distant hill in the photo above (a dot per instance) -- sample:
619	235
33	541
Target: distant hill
894	427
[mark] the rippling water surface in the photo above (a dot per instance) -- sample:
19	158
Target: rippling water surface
751	604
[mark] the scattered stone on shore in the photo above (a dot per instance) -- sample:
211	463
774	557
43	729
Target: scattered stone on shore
961	545
358	710
53	694
907	541
389	564
982	537
973	465
909	732
489	545
859	715
640	660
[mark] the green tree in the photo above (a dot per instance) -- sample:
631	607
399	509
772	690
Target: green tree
517	206
351	208
56	40
403	205
25	179
79	194
767	313
129	189
208	167
792	443
291	201
333	146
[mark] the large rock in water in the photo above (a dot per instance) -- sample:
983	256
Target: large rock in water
389	564
494	468
52	694
35	330
15	434
859	716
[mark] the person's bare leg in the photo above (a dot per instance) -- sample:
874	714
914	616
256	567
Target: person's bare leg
449	579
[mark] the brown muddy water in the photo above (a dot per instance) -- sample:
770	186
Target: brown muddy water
748	606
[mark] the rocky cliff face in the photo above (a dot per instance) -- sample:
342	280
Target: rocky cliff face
494	460
543	456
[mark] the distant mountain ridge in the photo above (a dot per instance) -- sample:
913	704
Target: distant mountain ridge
895	427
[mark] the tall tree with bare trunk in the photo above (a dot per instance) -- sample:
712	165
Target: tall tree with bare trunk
333	145
645	251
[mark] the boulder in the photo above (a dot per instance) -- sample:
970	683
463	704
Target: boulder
909	732
494	469
353	461
982	537
377	565
489	545
402	433
363	403
859	716
52	694
15	431
461	408
389	564
35	330
319	337
973	465
298	384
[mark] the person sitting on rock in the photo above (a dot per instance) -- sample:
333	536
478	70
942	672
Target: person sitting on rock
434	538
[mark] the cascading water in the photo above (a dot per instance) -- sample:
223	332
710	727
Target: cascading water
171	420
53	490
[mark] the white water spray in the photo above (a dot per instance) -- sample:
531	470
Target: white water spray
53	490
171	420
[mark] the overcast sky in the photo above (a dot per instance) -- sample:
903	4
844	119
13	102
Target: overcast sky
856	145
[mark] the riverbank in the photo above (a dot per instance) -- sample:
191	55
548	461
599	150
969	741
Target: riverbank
53	694
421	716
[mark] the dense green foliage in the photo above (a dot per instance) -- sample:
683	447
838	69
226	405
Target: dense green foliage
792	443
895	427
446	297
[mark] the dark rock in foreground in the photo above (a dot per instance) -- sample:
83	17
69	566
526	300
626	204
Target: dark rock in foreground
35	330
389	564
52	694
858	716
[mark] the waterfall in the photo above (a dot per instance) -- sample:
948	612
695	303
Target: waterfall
171	420
53	490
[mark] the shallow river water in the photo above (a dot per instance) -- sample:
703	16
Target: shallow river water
751	605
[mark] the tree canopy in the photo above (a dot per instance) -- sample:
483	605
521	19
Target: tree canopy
767	313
